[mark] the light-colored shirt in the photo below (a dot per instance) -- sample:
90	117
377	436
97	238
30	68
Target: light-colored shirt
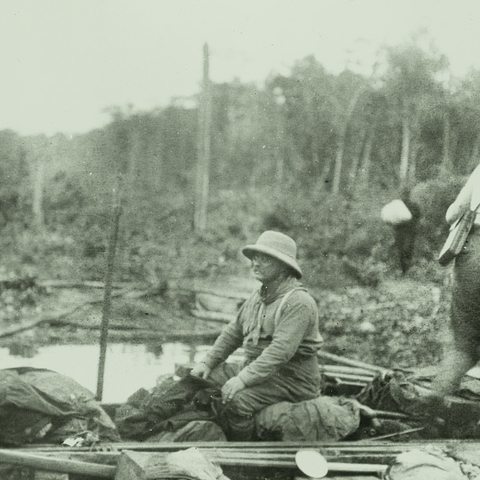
469	197
270	341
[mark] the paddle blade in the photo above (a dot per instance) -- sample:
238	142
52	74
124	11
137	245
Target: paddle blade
311	463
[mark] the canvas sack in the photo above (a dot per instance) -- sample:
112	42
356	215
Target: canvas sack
395	212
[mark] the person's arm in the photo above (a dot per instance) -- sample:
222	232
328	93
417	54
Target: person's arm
462	202
295	323
227	342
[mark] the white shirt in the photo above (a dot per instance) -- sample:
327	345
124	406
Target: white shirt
469	197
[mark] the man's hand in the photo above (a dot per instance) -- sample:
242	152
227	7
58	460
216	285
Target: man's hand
231	387
201	370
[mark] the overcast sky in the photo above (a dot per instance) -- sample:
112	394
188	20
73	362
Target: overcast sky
64	61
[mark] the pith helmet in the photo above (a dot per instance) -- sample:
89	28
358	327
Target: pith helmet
277	245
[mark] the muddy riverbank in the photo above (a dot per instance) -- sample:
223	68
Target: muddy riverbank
400	322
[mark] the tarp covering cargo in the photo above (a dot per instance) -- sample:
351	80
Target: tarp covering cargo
188	409
43	405
323	419
170	406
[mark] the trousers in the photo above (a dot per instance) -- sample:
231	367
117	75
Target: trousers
239	412
464	351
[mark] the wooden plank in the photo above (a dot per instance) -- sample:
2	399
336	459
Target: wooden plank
351	446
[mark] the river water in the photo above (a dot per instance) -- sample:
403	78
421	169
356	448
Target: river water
128	367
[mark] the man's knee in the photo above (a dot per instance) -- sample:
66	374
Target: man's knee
237	421
466	346
241	404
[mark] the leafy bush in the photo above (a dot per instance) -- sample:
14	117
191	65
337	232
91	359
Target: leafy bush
389	326
333	234
342	240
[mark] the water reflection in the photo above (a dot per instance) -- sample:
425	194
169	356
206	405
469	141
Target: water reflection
128	366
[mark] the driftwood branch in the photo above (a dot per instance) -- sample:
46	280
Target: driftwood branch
146	335
77	284
34	323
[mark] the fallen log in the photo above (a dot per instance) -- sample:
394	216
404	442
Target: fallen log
57	317
345	376
213	316
77	284
144	335
354	363
234	295
346	369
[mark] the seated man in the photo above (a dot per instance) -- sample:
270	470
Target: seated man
278	329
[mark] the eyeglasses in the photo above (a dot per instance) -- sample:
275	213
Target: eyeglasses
260	259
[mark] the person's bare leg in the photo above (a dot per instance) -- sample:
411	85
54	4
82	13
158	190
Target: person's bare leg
452	369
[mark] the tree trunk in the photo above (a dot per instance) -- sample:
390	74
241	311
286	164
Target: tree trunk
324	175
446	166
337	174
364	171
133	157
38	187
412	168
404	158
352	181
203	155
341	141
280	159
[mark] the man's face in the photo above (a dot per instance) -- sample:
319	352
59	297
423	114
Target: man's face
266	268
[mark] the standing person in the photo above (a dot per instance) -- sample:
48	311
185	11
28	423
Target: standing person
278	329
464	352
405	233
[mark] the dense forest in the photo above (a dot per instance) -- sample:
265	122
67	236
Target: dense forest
313	154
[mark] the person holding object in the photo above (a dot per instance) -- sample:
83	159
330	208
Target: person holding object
464	352
279	331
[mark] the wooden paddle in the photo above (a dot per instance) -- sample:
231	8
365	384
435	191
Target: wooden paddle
57	464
